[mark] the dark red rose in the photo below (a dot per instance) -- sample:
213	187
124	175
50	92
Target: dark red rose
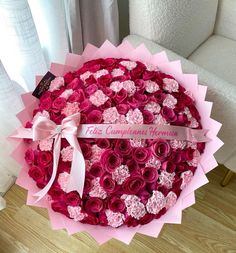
68	77
59	103
122	108
150	174
90	80
187	154
176	157
168	166
86	150
132	165
94	117
102	219
96	169
29	156
120	96
105	80
148	217
168	114
131	222
103	143
181	120
44	158
56	192
37	173
159	96
45	104
136	73
161	149
148	117
93	205
73	198
201	147
141	155
133	184
123	147
162	211
110	160
107	183
60	207
116	204
90	219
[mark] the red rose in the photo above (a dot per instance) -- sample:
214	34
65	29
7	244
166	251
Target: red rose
85	105
187	154
90	219
94	117
60	207
168	166
96	169
133	184
59	103
131	222
68	77
74	84
103	143
123	147
86	150
29	156
144	195
161	149
44	158
73	198
121	96
45	104
56	192
136	73
77	96
122	108
132	165
176	157
116	204
168	114
105	80
57	117
93	205
88	184
147	75
90	80
37	173
107	183
110	160
148	217
194	112
201	147
181	120
141	155
102	219
159	96
148	117
150	174
91	89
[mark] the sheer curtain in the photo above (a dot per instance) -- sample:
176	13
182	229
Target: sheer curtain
35	33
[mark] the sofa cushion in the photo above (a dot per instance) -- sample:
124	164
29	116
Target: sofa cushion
179	25
226	19
217	55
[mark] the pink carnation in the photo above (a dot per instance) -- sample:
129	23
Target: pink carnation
196	158
151	67
170	85
129	64
130	87
116	86
98	98
75	213
171	199
137	143
170	101
114	219
136	210
134	116
46	144
193	123
85	75
63	180
186	177
110	115
153	162
70	109
120	174
151	87
178	144
100	73
117	72
67	93
67	154
97	190
41	114
166	179
159	120
56	84
96	153
156	202
152	107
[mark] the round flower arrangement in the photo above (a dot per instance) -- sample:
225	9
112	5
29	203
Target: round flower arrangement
128	181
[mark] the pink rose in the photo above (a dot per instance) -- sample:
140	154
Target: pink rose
107	183
110	160
59	103
168	114
93	205
96	169
133	184
103	143
36	173
161	149
94	117
123	147
141	155
29	156
148	117
73	198
150	174
116	204
45	104
44	158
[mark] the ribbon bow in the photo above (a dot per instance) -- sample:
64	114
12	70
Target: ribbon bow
44	128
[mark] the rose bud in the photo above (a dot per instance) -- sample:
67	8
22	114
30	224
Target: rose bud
150	174
161	149
93	205
133	184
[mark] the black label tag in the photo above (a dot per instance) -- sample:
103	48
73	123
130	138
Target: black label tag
43	85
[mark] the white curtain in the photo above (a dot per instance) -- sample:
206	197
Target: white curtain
34	33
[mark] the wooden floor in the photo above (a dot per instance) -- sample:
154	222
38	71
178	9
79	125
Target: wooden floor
208	226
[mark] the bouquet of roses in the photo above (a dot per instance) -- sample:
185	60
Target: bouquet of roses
116	142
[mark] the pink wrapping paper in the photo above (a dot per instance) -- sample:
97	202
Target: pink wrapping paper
186	199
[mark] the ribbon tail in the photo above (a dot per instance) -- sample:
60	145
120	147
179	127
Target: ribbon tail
56	155
77	174
22	132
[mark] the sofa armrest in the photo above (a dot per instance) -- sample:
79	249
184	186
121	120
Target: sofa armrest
222	93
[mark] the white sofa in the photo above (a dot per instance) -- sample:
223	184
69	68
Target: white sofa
202	34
